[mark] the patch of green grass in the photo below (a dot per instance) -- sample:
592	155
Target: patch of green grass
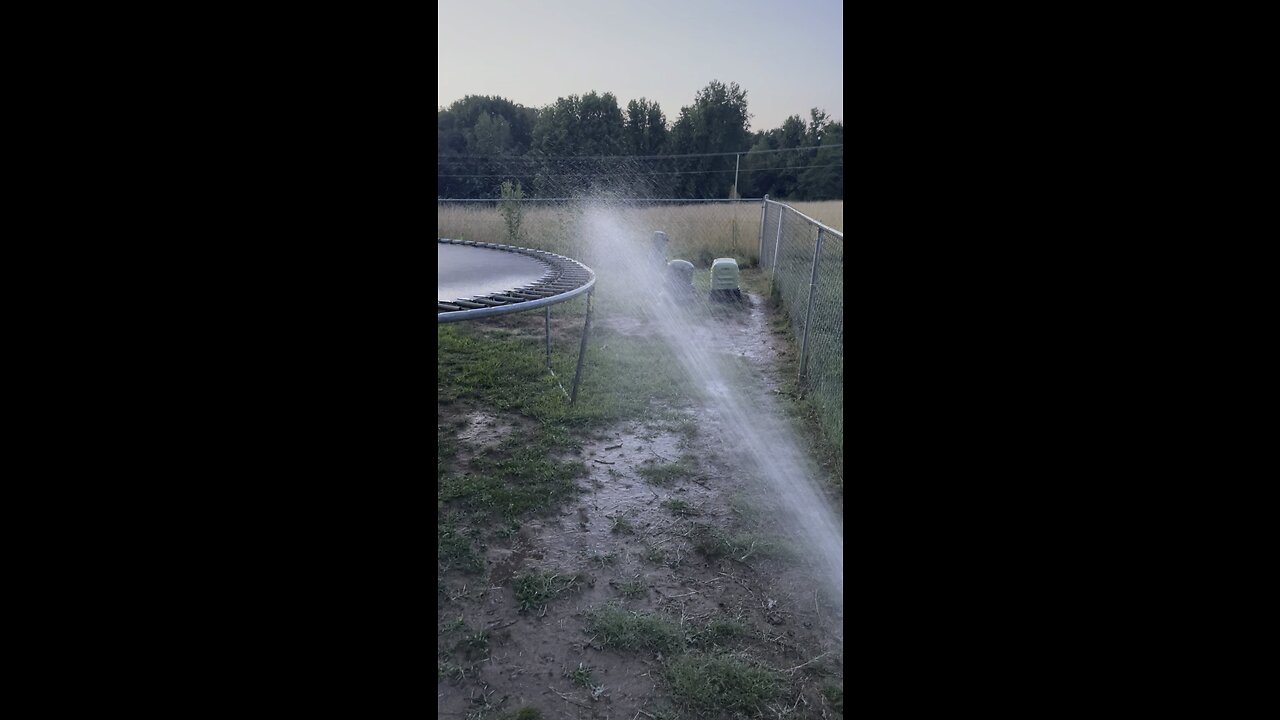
501	369
581	676
622	525
614	627
716	543
655	555
633	588
477	643
621	375
675	421
834	695
472	644
452	672
816	407
524	713
511	528
720	632
446	450
743	508
454	550
668	473
688	427
681	508
535	591
511	483
606	559
721	683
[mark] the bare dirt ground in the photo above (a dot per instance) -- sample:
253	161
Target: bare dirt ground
664	528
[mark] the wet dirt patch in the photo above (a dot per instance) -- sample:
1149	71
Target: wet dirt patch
485	429
665	529
627	325
654	569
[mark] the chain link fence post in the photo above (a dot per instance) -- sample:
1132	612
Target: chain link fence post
813	282
764	215
777	243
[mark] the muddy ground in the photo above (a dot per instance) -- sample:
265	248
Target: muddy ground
664	525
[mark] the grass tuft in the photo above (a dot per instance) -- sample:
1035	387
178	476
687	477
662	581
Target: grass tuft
720	632
834	695
633	588
719	684
581	676
455	551
606	559
533	592
681	508
669	473
716	543
614	627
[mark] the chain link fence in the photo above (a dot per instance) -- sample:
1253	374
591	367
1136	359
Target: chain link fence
698	230
805	260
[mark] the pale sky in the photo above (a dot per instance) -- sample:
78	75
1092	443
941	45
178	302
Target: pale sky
787	54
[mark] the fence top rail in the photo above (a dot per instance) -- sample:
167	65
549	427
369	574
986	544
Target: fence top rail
828	228
650	200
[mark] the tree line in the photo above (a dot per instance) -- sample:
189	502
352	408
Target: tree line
579	142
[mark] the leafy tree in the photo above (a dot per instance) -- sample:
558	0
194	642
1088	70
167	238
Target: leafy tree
758	176
462	116
791	136
484	140
646	128
811	173
590	125
717	122
491	136
824	179
480	125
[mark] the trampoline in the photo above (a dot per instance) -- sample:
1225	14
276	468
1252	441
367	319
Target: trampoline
477	280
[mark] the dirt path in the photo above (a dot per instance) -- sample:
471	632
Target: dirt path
665	529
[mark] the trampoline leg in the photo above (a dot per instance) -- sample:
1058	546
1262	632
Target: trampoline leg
582	349
548	309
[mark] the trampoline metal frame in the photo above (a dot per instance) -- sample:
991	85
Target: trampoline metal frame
517	303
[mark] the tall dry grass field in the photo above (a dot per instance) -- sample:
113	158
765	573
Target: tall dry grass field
827	212
697	232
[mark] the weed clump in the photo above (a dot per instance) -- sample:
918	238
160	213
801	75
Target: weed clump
715	684
632	588
535	591
681	508
669	473
716	543
618	628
